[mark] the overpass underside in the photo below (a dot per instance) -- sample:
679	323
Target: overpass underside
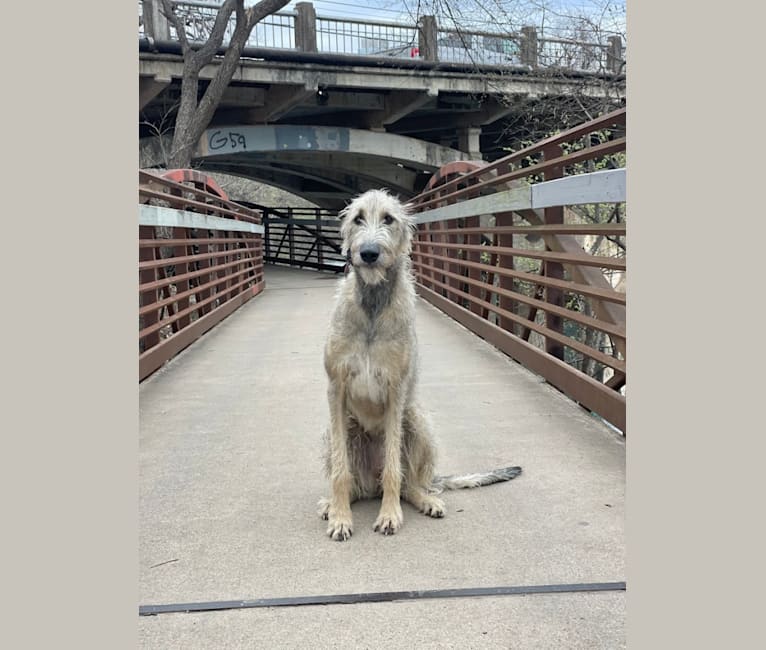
325	179
324	165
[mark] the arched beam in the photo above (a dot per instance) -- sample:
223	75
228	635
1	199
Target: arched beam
286	138
346	161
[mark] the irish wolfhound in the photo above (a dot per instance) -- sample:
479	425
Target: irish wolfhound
378	440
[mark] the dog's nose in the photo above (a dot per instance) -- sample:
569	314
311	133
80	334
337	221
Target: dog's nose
369	253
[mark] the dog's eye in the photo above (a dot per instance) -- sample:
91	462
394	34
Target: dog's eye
388	219
358	219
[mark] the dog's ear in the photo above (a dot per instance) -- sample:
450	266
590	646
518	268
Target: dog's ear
344	212
408	216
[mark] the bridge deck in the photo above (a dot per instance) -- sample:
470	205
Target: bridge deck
230	474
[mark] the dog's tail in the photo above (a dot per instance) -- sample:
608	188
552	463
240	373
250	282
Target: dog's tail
454	482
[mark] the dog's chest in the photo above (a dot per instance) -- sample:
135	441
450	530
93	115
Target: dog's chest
370	358
369	376
374	370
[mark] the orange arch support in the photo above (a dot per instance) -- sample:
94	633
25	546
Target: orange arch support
450	170
198	179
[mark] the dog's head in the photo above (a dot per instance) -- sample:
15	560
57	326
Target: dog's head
377	234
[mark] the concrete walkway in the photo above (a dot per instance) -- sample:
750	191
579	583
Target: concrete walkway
230	473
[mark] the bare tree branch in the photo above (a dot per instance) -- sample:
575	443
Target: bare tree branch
169	12
207	52
194	113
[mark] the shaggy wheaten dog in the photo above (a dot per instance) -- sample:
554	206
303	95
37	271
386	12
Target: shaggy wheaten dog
378	441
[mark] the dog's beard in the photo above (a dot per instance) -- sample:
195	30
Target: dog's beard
371	275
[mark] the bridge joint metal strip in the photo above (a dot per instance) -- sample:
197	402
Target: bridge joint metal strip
378	597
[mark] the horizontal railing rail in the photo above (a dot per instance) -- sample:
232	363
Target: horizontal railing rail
366	38
200	258
529	252
573	55
485	48
305	31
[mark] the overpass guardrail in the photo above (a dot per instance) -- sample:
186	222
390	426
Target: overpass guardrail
303	30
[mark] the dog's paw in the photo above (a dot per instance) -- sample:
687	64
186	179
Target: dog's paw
340	529
388	522
433	507
323	508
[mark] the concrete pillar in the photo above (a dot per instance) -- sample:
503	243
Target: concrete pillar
427	38
156	26
614	54
468	141
305	27
529	46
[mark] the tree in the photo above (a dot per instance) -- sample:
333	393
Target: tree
569	35
195	112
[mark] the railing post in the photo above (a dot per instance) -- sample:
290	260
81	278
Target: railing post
529	46
291	235
156	26
553	216
265	240
505	262
320	253
151	296
182	286
452	267
614	55
427	38
474	239
305	27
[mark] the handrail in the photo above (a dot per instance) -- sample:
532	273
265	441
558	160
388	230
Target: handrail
200	258
153	185
501	247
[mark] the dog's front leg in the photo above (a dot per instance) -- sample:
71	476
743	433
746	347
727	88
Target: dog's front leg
390	517
340	526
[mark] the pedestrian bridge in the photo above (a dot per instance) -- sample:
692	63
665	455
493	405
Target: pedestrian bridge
232	318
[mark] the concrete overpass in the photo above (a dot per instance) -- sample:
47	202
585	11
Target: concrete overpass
402	116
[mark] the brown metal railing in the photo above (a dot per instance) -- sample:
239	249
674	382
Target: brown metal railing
537	268
200	258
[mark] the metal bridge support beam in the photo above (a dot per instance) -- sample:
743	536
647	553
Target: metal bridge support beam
305	27
468	141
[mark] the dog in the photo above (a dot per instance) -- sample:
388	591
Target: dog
378	442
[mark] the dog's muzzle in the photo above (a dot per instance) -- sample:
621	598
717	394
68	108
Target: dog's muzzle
369	253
